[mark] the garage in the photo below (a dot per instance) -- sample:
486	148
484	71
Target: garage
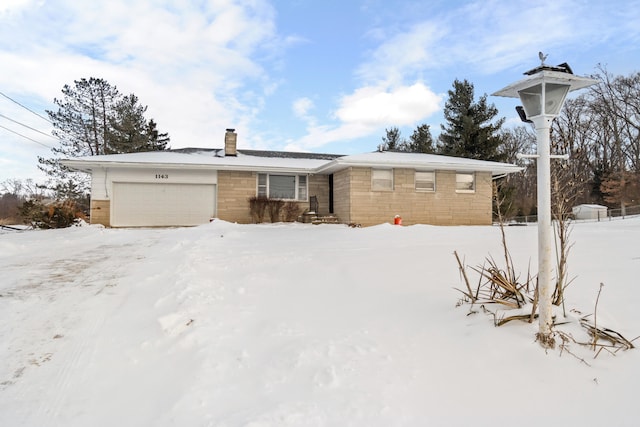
162	204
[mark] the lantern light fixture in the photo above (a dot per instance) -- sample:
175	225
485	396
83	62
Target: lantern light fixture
542	94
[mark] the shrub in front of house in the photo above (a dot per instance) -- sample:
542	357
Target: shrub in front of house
58	214
290	211
276	209
258	208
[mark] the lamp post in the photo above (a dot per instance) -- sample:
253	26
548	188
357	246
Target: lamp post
542	94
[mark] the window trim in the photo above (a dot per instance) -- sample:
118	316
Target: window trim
473	182
373	179
416	180
301	186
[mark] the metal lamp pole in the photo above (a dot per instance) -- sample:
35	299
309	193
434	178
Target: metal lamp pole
542	93
545	269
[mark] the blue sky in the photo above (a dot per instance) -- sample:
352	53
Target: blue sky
306	75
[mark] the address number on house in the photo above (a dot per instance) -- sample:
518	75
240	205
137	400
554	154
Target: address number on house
162	176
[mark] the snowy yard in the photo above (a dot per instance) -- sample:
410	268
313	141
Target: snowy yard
231	325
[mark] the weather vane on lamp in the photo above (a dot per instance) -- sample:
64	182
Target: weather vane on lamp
542	57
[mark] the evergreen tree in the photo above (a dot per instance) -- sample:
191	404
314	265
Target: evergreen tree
92	119
392	140
127	131
156	141
130	132
421	140
81	124
470	131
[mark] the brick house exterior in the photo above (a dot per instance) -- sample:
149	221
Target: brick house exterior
191	186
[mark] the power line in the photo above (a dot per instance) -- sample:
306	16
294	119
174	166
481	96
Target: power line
26	137
26	108
28	127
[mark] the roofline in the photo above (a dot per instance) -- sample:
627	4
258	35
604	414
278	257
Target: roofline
219	152
89	166
548	76
494	167
331	166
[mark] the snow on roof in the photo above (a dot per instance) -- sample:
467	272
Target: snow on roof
284	161
589	206
262	153
391	159
199	158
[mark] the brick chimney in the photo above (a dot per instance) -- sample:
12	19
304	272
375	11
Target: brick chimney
230	138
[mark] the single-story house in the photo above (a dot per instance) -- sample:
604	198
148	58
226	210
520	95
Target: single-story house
190	186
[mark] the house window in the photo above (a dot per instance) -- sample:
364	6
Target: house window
425	181
262	185
465	182
286	187
382	179
302	187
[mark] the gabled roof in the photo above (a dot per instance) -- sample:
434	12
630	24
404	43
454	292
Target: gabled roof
284	161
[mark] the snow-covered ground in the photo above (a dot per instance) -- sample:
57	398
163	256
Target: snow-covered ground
298	325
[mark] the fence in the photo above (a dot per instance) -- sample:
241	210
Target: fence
629	211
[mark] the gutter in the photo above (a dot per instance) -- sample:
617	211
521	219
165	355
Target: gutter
502	171
84	166
334	165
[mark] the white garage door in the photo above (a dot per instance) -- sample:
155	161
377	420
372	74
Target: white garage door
161	205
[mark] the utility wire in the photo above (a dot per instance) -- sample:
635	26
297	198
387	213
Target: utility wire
28	127
26	137
26	108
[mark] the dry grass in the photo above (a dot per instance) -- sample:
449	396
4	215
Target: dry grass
501	286
497	285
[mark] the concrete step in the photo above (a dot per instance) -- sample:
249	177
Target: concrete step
313	218
326	219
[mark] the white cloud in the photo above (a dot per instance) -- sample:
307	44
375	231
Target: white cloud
301	107
405	53
368	110
375	106
319	136
13	6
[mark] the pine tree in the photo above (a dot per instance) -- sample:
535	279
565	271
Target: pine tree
127	132
82	120
156	141
81	124
392	140
470	131
92	119
130	132
421	140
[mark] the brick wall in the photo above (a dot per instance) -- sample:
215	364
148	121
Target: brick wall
443	207
235	188
341	195
100	212
319	187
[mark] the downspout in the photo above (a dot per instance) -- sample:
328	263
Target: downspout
106	187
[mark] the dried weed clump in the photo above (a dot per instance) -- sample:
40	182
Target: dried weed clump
499	291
